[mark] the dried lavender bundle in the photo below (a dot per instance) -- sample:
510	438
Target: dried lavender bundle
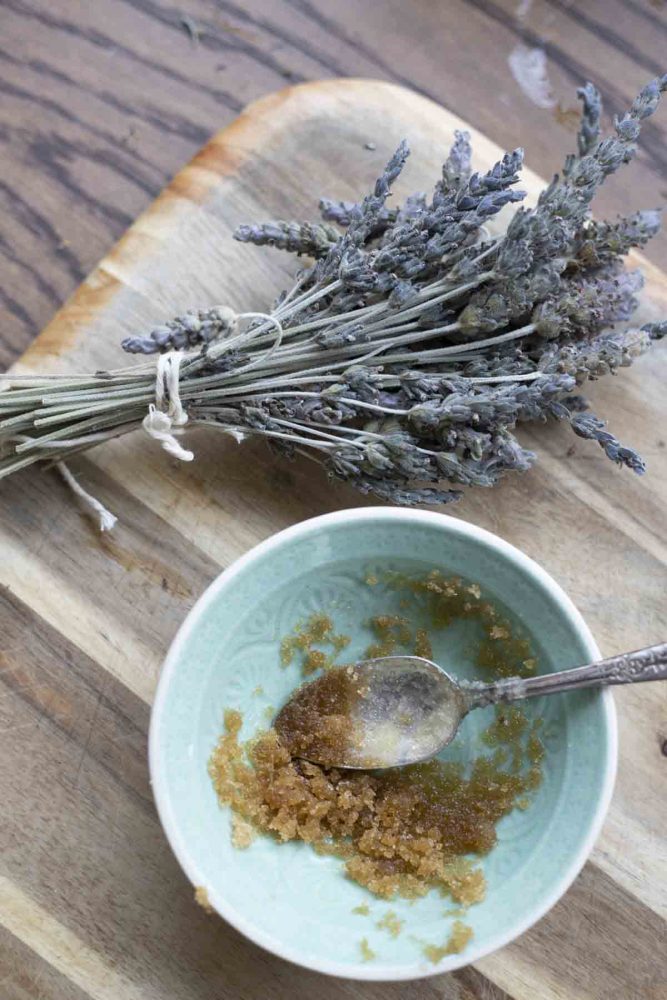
407	352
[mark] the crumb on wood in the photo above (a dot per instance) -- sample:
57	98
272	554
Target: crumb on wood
201	897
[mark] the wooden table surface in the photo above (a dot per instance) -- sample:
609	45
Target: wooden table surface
102	103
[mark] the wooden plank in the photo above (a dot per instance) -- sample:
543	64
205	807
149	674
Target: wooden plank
90	886
26	976
102	102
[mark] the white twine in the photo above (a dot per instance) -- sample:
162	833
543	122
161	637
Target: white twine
159	421
167	412
105	518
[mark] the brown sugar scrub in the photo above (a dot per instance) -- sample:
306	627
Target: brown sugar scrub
305	641
403	831
502	652
319	724
455	943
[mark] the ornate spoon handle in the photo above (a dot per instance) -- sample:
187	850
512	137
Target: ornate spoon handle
649	664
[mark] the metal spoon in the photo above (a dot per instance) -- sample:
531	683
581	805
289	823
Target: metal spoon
398	710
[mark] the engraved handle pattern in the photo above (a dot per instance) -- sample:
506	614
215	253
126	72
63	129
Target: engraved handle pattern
649	664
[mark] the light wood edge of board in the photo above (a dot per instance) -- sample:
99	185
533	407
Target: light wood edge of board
222	156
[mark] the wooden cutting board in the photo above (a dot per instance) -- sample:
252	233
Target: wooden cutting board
92	903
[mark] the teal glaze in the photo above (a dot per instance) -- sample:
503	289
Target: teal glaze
285	897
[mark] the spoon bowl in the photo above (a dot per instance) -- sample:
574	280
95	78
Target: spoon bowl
398	710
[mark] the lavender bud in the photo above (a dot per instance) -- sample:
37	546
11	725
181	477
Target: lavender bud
589	130
587	425
406	497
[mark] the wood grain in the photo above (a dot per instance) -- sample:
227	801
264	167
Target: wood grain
91	901
103	102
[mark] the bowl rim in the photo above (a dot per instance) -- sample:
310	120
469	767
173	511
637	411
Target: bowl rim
379	972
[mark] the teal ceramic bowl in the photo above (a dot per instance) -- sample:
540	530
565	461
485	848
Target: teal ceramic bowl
285	897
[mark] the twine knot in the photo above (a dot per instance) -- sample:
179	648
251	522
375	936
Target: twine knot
167	412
